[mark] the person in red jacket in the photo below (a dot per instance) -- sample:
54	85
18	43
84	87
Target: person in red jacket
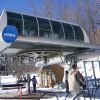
80	79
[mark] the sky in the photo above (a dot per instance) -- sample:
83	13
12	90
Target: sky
14	5
25	6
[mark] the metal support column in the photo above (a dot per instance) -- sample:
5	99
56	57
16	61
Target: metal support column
28	78
94	72
99	64
85	69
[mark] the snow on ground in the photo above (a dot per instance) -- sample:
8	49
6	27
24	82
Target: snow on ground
61	93
8	79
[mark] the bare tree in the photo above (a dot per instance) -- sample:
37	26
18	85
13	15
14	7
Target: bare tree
32	6
48	8
45	8
66	12
63	12
91	12
98	14
80	16
85	16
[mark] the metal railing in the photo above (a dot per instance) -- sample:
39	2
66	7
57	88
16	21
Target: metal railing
48	93
83	94
96	89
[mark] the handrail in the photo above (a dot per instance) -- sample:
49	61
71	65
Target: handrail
83	92
67	95
49	93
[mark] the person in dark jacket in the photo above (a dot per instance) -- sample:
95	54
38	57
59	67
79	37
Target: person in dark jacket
34	82
67	85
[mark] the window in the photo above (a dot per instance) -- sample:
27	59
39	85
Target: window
57	30
69	33
44	28
16	20
78	33
30	26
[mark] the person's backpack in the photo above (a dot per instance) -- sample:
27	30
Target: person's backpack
80	80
